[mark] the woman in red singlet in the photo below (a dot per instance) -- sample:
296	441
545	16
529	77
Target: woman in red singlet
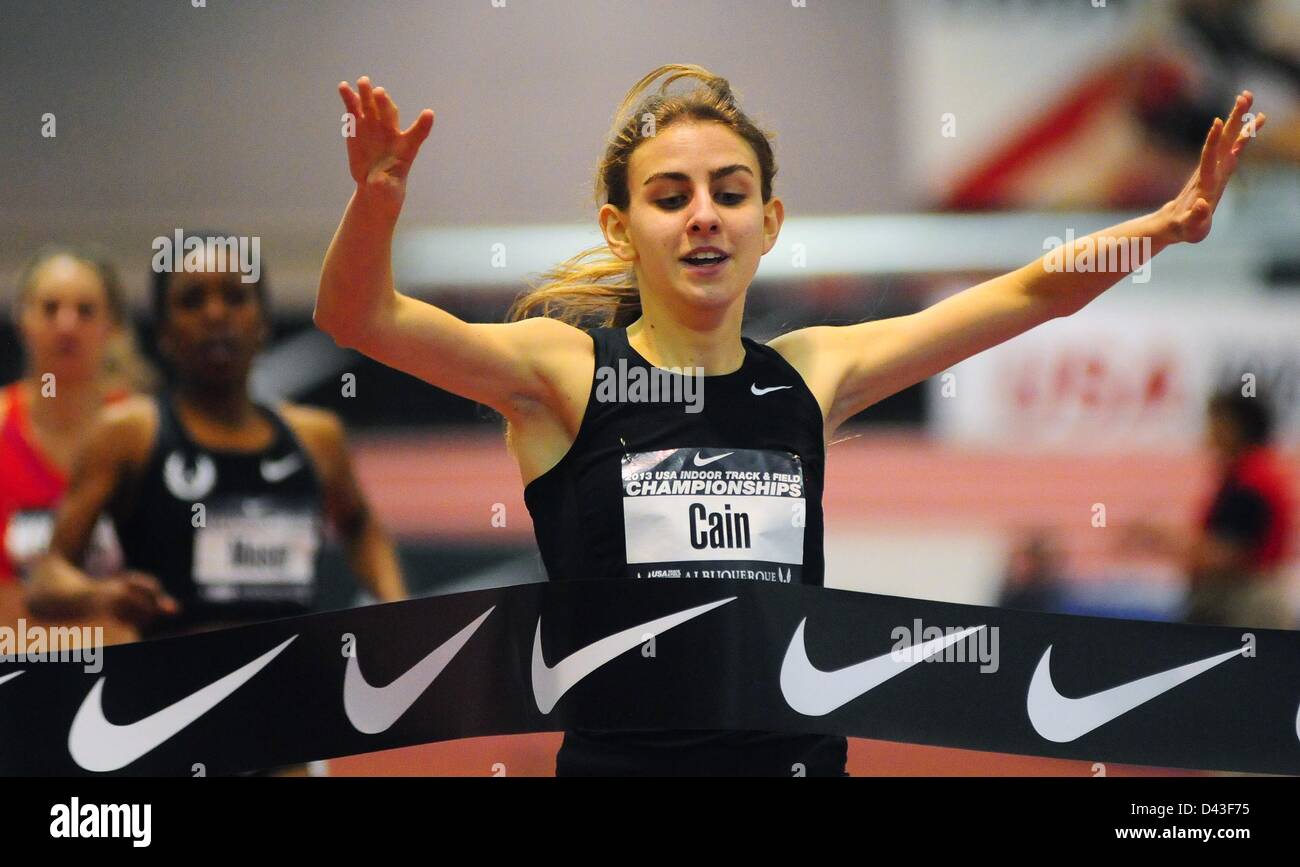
79	355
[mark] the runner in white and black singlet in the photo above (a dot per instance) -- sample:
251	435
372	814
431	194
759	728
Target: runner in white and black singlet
255	555
624	486
219	501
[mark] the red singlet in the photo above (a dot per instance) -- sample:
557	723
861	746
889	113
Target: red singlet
30	485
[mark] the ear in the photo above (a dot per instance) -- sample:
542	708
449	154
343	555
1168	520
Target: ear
773	218
614	226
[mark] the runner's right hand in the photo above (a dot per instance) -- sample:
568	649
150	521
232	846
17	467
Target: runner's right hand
135	597
380	153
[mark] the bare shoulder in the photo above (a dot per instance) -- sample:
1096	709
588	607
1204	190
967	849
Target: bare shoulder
541	429
4	404
315	426
134	417
322	435
810	351
800	346
312	419
550	340
563	359
125	429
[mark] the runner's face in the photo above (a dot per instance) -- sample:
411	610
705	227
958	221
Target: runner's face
214	327
65	320
676	207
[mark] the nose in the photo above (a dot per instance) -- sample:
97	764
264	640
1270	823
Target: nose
214	307
704	218
65	318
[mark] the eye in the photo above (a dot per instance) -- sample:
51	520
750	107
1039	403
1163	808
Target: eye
50	309
736	199
191	297
236	295
86	311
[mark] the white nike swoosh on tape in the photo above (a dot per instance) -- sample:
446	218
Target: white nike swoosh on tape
813	692
373	709
707	461
756	390
1062	719
99	745
9	677
552	682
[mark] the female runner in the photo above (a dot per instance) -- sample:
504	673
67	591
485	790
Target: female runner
218	500
688	211
80	356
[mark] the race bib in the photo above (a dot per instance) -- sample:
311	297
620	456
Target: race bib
28	536
253	550
714	513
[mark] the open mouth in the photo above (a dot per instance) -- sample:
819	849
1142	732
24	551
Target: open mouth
705	260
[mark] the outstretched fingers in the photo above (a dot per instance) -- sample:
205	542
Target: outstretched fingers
1208	167
1236	120
377	108
1240	128
367	93
1247	134
387	108
420	127
351	101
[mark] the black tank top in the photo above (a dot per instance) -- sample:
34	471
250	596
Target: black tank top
233	536
660	484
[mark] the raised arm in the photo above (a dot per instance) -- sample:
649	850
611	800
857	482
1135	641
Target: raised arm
852	367
497	364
